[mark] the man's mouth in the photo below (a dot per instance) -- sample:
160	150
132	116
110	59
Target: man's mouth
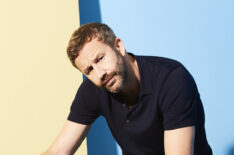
108	79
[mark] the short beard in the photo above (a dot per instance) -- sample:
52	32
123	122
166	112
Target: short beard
122	72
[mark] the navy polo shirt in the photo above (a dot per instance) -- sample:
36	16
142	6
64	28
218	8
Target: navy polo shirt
168	99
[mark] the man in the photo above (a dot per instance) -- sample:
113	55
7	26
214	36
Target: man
151	104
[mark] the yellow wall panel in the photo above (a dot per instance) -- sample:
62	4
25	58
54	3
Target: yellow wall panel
37	81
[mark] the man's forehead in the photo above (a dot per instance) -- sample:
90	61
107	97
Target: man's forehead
88	53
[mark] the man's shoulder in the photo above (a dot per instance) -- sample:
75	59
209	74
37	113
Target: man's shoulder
88	88
88	85
159	63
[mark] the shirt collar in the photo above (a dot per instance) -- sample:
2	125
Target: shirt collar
145	75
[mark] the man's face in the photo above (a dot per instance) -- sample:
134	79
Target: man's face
103	65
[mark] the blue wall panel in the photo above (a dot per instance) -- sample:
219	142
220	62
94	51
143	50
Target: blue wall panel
99	139
200	34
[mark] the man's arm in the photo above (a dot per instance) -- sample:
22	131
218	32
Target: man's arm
69	139
179	141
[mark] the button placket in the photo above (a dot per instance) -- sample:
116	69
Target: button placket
124	105
127	110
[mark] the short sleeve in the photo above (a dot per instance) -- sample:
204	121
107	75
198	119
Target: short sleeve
179	99
84	108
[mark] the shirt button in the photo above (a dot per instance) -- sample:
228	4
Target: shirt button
127	121
124	105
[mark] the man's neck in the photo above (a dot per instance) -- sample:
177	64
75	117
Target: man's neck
131	92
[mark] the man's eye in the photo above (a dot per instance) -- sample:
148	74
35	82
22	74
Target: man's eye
100	58
89	70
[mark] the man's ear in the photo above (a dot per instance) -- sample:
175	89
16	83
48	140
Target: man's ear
120	46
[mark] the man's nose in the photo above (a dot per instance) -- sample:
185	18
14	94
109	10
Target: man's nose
100	73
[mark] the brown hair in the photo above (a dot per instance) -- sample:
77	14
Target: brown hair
86	33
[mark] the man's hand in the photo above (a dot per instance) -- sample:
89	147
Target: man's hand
179	141
69	139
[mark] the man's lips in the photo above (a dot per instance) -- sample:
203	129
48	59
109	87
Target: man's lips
108	79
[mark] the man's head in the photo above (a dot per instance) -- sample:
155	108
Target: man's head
97	53
86	33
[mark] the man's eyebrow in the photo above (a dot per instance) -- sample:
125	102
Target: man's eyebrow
96	56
